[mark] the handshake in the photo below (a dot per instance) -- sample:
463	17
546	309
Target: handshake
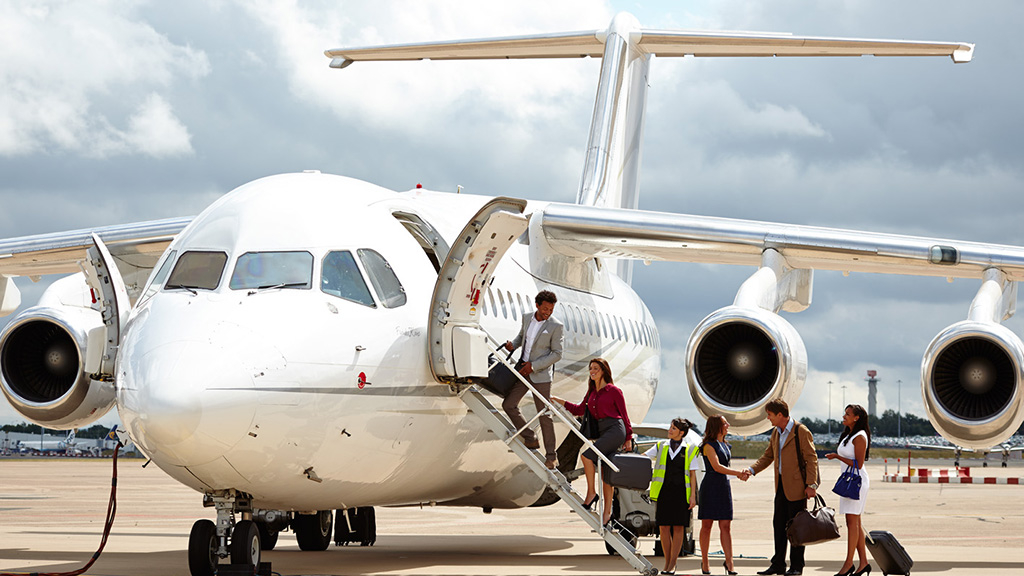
745	475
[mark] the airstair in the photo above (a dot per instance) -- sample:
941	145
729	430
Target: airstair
458	346
499	424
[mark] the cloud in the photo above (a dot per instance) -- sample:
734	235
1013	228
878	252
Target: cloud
73	72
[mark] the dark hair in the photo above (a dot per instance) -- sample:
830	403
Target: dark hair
606	370
682	424
861	424
777	406
716	422
545	296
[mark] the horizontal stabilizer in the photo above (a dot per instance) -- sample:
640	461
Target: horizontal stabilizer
662	43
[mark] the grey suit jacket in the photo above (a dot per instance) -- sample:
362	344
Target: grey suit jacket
545	351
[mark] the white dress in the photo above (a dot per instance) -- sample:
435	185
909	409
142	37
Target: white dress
849	505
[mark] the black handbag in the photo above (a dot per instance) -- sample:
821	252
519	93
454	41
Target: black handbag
848	484
588	426
813	526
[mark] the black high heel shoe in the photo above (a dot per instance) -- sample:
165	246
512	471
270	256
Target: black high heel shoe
847	573
589	505
866	570
727	571
703	571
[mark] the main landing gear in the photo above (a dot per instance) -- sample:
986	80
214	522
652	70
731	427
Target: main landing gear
244	540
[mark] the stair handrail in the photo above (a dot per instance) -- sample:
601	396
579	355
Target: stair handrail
555	410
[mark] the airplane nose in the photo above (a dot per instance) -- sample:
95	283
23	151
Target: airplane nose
186	402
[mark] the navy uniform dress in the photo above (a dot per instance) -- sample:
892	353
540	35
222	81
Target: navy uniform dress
715	497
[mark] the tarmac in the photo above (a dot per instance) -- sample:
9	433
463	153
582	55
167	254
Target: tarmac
52	510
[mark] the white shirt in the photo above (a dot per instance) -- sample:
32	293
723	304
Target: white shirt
531	335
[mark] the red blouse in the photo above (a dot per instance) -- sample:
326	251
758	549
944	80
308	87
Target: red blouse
608	402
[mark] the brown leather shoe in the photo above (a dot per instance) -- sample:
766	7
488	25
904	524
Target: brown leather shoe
532	444
551	463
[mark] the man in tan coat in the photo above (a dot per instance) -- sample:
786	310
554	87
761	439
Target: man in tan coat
793	486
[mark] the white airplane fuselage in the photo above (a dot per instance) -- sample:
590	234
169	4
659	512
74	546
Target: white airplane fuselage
308	401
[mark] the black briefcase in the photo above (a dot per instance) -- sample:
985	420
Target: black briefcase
634	471
500	379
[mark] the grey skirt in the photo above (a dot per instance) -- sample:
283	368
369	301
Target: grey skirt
611	435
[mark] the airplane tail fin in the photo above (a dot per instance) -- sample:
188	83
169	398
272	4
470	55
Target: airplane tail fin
611	170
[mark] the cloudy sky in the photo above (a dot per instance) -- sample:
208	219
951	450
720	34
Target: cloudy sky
120	111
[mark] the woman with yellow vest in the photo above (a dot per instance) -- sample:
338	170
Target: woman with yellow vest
674	487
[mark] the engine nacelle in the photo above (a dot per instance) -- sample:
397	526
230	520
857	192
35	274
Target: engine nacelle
740	358
971	378
43	366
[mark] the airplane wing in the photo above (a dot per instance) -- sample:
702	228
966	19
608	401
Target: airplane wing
135	247
584	231
657	42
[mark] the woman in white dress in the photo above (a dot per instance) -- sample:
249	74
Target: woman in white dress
853	450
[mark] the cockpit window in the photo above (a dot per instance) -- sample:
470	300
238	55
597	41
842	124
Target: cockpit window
198	270
273	270
159	274
341	278
385	282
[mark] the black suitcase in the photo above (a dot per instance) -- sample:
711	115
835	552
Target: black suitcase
355	525
888	553
634	471
500	379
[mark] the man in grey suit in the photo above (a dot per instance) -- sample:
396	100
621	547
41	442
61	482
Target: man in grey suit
541	339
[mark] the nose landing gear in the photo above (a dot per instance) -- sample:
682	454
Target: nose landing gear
208	543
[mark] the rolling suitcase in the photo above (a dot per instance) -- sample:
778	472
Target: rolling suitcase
634	471
888	553
355	525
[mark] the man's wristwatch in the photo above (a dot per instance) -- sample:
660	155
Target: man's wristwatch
812	486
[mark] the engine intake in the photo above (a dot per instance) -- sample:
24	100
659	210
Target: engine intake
740	358
42	363
971	378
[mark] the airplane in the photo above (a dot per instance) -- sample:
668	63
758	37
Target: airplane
306	343
1005	448
64	446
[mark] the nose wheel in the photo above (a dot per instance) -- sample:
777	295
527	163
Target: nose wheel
241	541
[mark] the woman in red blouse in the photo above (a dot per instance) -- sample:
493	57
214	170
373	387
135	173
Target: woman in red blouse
607	405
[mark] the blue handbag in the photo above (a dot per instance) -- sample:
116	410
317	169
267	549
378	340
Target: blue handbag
848	484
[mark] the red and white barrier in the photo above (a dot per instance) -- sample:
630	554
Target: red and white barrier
925	479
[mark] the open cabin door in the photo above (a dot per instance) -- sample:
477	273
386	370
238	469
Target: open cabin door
458	346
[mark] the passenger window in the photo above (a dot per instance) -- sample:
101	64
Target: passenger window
198	270
512	306
385	282
341	277
157	279
490	297
590	326
501	300
273	270
574	317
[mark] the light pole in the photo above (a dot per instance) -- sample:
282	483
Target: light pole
830	409
899	411
844	396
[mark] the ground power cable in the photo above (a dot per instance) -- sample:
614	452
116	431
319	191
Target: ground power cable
108	524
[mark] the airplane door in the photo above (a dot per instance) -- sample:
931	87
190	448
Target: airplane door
105	279
458	347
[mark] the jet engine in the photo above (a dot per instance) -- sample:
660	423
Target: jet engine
971	378
738	359
43	359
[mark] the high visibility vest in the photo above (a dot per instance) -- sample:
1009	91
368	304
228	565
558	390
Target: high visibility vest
658	476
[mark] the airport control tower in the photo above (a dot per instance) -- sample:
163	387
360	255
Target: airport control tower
872	391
